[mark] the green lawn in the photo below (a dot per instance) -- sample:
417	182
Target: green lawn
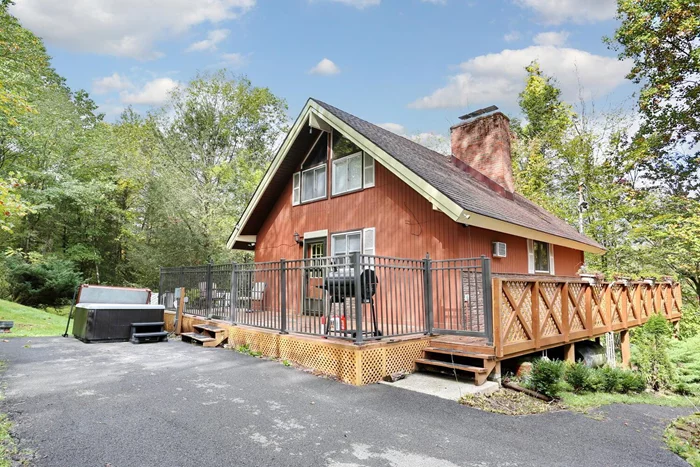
30	322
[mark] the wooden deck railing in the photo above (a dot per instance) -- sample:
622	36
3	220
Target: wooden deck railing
532	313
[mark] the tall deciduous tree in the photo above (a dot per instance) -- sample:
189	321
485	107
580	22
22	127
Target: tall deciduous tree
662	38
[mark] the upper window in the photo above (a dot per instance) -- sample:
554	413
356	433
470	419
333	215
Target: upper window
352	169
541	257
347	173
313	183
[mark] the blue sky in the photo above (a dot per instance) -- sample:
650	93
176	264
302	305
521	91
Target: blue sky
413	65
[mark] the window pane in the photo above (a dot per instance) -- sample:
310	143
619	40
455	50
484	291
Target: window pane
342	146
339	245
340	176
541	256
354	242
355	173
319	153
307	186
320	183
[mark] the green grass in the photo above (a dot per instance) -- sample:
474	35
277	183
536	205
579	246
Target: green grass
590	400
30	322
683	437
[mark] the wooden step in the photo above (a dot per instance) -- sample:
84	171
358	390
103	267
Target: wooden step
481	374
460	353
208	327
196	337
454	366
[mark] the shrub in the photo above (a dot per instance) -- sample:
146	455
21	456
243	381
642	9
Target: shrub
580	377
689	325
632	381
651	352
41	282
546	377
610	379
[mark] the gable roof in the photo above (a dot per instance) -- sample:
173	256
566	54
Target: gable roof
452	190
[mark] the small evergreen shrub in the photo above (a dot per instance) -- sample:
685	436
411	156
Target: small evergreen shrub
546	377
651	355
610	379
579	377
632	381
41	282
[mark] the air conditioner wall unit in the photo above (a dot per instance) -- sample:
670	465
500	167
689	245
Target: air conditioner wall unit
499	250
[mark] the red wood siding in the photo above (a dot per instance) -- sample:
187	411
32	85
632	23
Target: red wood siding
406	227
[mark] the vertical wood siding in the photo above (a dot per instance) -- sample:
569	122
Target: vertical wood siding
406	227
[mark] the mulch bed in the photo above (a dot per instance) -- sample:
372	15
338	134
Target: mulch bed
509	402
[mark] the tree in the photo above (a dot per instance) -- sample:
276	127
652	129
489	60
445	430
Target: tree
218	134
662	38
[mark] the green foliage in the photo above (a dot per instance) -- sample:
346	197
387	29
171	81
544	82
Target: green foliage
580	377
685	356
43	282
651	352
683	438
31	322
662	38
606	379
546	376
689	325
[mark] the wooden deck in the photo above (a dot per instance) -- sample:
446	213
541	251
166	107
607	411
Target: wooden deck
532	314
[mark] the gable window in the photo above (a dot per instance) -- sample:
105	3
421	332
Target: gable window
352	168
313	183
540	257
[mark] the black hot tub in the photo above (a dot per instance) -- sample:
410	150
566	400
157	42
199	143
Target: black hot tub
100	322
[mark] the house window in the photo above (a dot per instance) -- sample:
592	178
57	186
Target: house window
352	168
313	184
347	173
540	257
346	243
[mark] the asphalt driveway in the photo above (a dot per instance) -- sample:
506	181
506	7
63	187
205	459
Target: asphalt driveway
174	404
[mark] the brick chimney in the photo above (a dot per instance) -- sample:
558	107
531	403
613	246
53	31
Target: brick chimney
482	143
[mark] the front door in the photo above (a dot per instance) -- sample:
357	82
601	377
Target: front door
314	273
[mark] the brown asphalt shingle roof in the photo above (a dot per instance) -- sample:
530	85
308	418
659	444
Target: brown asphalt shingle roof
467	192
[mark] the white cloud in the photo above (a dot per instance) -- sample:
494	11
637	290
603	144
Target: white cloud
154	92
213	38
359	3
577	11
114	82
394	128
511	36
124	28
233	60
325	67
554	38
498	78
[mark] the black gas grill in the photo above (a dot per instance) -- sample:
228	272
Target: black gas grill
340	285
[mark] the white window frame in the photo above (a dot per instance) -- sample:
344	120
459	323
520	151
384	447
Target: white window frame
531	258
346	160
345	234
296	189
301	184
367	166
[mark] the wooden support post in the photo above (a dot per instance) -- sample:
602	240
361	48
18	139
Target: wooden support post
496	295
180	311
535	318
625	348
570	353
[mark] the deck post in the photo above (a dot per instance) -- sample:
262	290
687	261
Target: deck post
625	348
428	294
570	353
487	297
283	296
358	297
234	292
210	284
160	285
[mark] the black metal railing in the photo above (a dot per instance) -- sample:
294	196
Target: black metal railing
354	297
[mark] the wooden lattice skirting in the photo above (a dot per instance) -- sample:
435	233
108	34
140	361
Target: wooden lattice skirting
353	364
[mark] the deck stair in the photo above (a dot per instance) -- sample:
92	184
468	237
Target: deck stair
148	332
206	335
452	354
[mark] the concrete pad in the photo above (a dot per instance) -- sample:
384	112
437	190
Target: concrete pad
441	386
